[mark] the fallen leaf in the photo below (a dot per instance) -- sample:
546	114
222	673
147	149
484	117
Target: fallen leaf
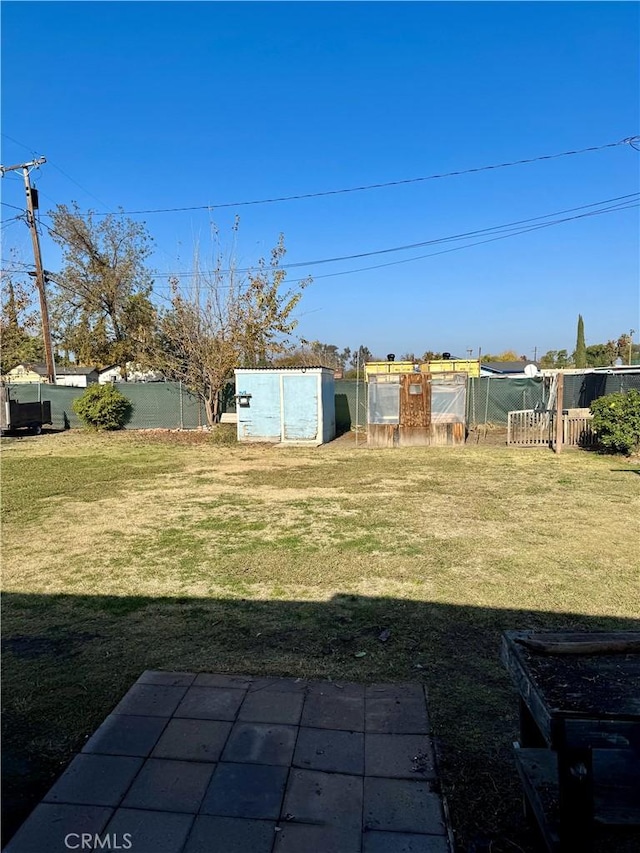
360	655
383	636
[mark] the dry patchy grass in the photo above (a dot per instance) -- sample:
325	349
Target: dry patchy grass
134	551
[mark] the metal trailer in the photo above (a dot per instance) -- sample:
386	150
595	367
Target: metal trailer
15	415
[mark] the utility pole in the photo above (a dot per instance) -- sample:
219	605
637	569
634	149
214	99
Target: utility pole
535	354
631	334
32	205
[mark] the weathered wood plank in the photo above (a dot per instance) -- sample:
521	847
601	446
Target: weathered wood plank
629	642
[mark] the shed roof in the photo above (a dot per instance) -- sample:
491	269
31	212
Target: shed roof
507	366
283	369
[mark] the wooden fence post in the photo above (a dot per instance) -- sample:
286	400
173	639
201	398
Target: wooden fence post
559	418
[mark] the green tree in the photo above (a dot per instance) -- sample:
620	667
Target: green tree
361	355
601	355
102	309
624	348
556	358
20	341
580	354
353	360
223	320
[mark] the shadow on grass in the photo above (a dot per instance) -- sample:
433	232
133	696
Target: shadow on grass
69	659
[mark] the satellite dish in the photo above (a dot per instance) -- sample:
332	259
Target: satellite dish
531	370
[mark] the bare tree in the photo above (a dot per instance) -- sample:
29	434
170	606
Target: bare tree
226	319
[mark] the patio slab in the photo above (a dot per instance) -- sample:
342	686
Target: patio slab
203	762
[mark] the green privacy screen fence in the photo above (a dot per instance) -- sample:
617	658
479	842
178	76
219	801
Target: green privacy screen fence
168	405
490	398
155	405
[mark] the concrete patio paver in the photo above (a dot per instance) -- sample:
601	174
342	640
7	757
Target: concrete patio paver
95	780
172	786
211	762
261	743
404	842
397	805
210	703
231	835
399	756
150	831
246	790
121	734
330	750
269	707
50	824
192	740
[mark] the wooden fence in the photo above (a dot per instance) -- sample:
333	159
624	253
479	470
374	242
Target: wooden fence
577	431
528	428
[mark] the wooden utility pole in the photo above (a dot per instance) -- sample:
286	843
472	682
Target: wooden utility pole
559	418
32	205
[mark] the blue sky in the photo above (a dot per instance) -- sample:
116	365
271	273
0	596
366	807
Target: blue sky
161	105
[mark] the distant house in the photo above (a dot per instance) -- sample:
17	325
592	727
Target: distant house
75	377
513	369
25	373
113	373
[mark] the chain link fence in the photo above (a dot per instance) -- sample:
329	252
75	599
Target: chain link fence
491	398
581	389
168	405
351	404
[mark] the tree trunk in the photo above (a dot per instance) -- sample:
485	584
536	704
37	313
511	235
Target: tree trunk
212	407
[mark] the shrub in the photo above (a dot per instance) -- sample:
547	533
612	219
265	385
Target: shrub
102	407
616	421
224	434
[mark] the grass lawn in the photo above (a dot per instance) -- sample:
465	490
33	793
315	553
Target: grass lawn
131	551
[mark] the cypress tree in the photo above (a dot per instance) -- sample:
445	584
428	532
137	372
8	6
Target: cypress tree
580	356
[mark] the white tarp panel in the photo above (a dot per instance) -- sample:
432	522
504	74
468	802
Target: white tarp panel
384	399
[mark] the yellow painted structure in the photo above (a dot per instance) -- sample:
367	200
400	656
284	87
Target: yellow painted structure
377	367
470	366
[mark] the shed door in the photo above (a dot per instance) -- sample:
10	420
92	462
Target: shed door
299	407
415	400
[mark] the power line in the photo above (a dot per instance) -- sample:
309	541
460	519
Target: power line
443	239
21	144
631	141
468	246
12	221
464	235
84	189
15	207
512	233
59	169
493	233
